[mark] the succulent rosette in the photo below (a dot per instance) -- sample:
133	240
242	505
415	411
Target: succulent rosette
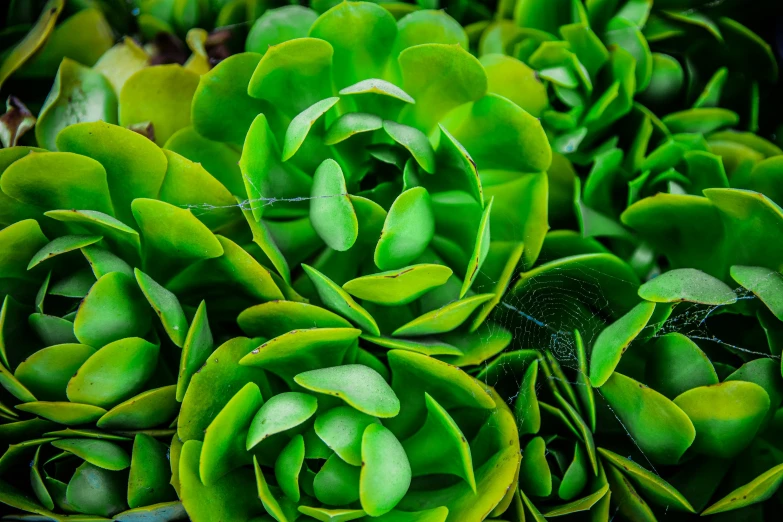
644	400
96	353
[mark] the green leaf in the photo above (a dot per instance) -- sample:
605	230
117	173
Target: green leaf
359	386
96	491
101	453
341	429
583	504
613	341
362	52
653	486
407	231
267	179
440	77
658	426
114	373
443	319
223	450
626	34
161	95
121	61
428	26
439	447
331	212
687	284
629	502
765	284
280	413
275	318
46	372
337	483
180	245
279	25
146	410
492	127
113	310
61	245
197	347
300	126
300	350
726	415
79	183
222	107
79	95
234	497
535	477
414	141
203	400
288	466
757	490
575	476
166	306
398	287
676	365
339	301
33	40
386	471
67	413
413	374
703	121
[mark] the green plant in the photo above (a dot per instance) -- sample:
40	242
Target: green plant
365	188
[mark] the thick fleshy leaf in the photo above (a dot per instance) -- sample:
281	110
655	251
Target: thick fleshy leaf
653	486
363	52
301	350
413	374
757	490
96	491
288	465
443	319
79	183
339	301
144	411
398	287
331	212
300	126
114	309
386	471
337	483
414	141
101	453
197	347
223	450
61	245
726	415
439	77
535	476
161	95
46	372
493	127
279	25
765	284
687	284
166	306
612	342
359	386
676	365
275	318
280	413
341	429
203	401
34	40
233	498
407	231
659	427
184	244
121	238
79	94
114	373
440	447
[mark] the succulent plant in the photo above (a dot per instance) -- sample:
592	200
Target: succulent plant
364	206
